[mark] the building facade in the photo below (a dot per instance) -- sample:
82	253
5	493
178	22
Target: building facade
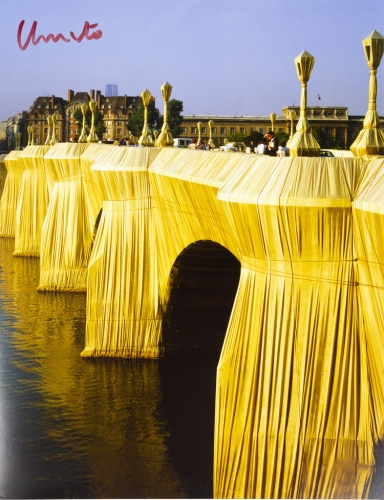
333	120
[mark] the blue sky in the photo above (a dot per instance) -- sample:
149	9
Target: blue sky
221	57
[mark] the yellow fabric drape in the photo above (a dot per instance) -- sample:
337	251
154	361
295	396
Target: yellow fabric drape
10	196
300	392
67	233
128	323
3	173
32	203
293	416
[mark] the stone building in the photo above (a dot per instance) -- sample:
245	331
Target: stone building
37	116
333	119
116	112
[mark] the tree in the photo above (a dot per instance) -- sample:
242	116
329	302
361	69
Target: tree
326	141
236	137
175	118
136	121
282	136
99	123
255	137
155	119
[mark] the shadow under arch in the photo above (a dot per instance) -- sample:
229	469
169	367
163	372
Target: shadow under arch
203	281
96	227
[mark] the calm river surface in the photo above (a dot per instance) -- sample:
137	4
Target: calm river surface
96	428
104	428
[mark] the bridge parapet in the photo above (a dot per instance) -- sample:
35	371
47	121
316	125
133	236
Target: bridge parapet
67	232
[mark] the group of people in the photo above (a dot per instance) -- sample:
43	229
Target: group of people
269	145
198	145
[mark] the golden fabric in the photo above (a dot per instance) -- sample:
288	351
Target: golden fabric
293	416
299	403
67	233
129	321
3	173
32	202
10	196
300	391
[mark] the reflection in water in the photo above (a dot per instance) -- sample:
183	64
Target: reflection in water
72	427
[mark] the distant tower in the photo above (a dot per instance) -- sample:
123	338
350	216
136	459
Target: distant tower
111	90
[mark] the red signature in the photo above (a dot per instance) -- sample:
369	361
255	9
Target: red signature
32	35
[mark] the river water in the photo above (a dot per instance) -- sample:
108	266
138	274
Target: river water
102	428
109	428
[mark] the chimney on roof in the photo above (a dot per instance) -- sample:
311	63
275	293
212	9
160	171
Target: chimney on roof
92	94
70	95
98	98
52	101
125	100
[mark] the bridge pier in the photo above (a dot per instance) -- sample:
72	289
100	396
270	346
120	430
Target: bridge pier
10	196
67	232
32	202
123	305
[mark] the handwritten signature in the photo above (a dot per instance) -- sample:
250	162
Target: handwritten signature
55	38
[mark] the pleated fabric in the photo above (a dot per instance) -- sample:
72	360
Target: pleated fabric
293	416
32	202
3	173
67	232
123	307
10	196
368	212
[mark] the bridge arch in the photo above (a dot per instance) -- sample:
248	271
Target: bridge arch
202	286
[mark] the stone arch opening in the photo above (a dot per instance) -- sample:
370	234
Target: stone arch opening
203	281
203	284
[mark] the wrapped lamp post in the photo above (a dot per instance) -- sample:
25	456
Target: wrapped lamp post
93	136
273	119
30	135
146	138
210	142
53	140
292	116
83	135
165	138
48	139
199	124
370	140
303	142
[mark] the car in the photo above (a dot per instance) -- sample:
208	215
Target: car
228	147
181	142
326	154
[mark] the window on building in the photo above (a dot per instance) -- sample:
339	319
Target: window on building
203	130
251	130
36	130
36	140
193	130
261	130
183	130
222	130
213	130
36	122
119	130
119	123
242	130
281	130
232	130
